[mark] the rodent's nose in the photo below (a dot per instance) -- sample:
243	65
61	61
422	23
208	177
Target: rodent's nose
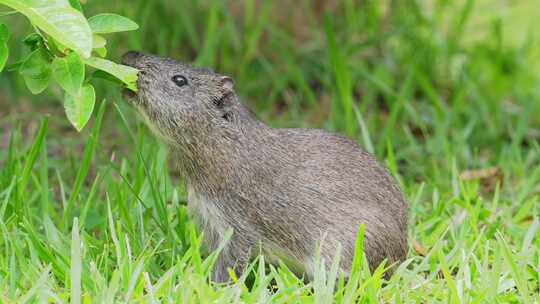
130	58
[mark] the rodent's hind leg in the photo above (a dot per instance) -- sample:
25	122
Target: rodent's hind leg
220	273
234	256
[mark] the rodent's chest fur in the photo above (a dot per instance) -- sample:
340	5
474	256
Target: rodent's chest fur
204	210
214	220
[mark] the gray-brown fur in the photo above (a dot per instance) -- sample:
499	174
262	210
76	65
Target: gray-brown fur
281	191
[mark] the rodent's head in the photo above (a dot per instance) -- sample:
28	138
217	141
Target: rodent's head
180	101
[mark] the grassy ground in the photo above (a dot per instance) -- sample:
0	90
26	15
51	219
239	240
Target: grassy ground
446	94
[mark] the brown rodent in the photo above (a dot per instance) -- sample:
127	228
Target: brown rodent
283	192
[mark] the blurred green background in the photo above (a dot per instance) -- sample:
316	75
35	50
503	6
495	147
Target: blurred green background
445	93
429	78
443	73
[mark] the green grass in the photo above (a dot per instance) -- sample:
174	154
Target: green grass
433	90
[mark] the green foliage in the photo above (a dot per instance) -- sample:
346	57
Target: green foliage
111	23
36	70
68	72
126	74
79	107
62	36
59	20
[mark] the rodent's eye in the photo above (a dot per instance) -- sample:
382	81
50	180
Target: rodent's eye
179	80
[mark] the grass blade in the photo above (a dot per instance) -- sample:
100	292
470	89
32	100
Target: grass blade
76	263
88	154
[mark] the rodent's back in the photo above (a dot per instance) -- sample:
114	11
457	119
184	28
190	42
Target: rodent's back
333	187
337	165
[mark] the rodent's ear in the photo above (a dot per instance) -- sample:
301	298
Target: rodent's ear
227	84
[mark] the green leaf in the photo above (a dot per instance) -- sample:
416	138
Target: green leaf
101	52
76	4
98	41
69	73
58	19
126	74
36	71
111	23
99	74
36	65
36	86
79	108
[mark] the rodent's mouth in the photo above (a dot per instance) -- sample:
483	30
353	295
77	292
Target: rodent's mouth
129	94
130	59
